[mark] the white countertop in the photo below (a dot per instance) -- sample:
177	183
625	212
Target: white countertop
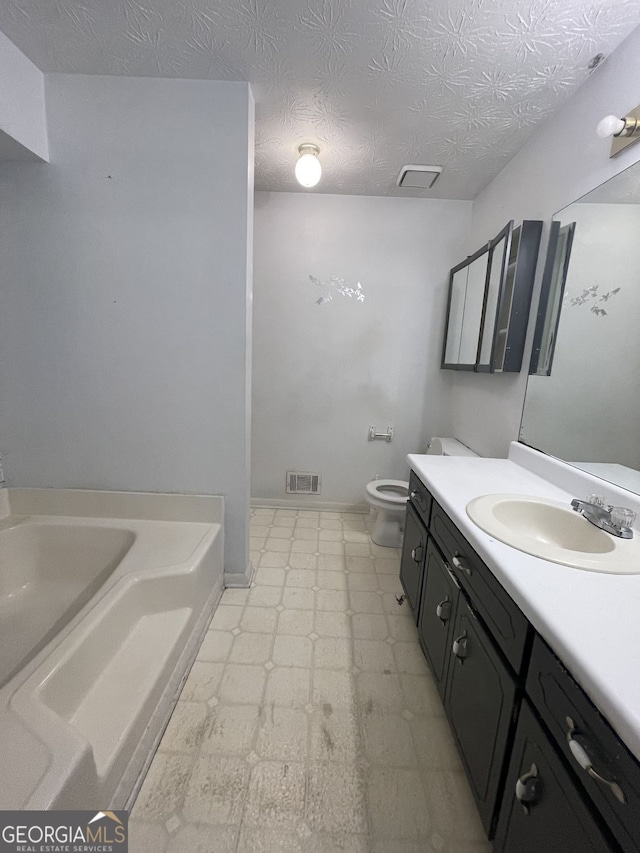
591	620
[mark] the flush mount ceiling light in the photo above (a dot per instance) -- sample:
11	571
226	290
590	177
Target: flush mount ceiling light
418	177
625	131
308	168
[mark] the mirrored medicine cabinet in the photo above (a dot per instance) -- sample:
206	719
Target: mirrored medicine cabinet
489	302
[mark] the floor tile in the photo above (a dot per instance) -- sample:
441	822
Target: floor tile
215	646
297	622
328	624
163	789
297	598
310	722
264	596
203	681
251	648
202	838
187	727
373	655
301	578
231	729
288	687
336	798
147	837
333	690
276	794
262	620
270	576
335	736
292	651
335	600
216	790
368	626
332	653
378	692
283	734
225	618
405	814
387	740
242	684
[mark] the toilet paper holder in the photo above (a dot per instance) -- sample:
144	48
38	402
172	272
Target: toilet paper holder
386	436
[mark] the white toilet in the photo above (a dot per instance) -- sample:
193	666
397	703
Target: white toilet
388	498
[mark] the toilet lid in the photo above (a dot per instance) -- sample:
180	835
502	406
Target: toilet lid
393	491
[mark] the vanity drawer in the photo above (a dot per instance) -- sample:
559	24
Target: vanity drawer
507	624
558	698
420	498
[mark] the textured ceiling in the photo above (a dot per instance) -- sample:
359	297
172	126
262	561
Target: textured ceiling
375	83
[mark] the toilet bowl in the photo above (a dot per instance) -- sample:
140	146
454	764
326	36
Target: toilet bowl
388	498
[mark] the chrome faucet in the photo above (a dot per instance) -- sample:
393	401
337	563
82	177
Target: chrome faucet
617	520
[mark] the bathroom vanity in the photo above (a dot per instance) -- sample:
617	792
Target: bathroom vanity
526	656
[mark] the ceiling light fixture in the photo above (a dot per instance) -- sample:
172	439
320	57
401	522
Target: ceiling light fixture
625	131
308	169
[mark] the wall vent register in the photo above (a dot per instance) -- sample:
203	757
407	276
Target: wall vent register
303	483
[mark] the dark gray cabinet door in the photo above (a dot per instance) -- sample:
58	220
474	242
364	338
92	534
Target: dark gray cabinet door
414	550
437	614
479	702
542	811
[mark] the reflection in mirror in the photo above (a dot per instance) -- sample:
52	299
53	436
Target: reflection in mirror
587	411
473	309
456	312
496	272
553	284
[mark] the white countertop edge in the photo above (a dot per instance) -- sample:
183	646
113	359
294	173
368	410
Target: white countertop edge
589	619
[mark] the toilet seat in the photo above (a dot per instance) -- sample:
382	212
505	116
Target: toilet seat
388	494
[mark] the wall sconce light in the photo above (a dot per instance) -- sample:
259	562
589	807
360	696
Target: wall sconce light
308	169
625	131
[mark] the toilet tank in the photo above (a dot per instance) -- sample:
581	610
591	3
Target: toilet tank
444	446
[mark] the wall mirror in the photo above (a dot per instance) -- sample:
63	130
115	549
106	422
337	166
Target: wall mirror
582	403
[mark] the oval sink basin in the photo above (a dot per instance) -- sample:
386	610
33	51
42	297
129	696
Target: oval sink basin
553	531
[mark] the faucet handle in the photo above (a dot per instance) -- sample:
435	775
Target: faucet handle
596	500
622	517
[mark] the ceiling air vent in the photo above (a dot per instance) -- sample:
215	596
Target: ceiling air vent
303	483
418	177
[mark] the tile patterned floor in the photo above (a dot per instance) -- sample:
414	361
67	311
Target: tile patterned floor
309	721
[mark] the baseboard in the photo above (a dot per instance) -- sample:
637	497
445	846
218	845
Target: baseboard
305	504
239	580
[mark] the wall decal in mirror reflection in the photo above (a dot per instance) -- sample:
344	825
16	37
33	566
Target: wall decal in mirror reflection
582	402
589	296
337	285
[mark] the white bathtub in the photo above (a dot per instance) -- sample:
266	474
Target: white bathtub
104	597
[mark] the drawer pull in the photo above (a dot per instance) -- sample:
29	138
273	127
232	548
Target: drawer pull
416	554
460	647
460	565
528	788
443	610
581	756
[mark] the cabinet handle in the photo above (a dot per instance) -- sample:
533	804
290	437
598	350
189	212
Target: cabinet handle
416	554
460	646
460	565
581	756
443	610
527	788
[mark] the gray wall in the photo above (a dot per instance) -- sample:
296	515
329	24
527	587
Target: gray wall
562	161
323	373
124	359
